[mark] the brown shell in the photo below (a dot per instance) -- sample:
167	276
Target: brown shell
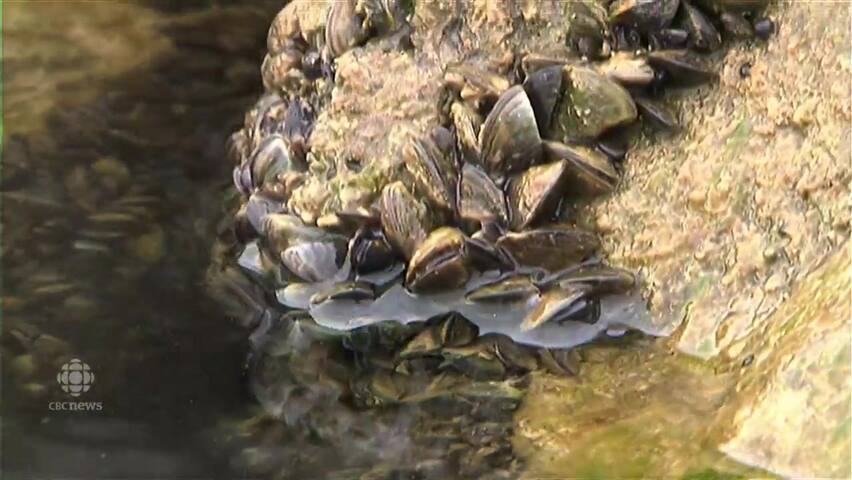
405	220
535	194
479	198
509	139
553	248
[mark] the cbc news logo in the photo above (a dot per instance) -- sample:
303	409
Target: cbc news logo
75	377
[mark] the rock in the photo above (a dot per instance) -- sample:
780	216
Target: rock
23	366
802	364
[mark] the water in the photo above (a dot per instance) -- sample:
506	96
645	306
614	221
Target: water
113	184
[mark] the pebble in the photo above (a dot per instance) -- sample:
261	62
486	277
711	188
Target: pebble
34	391
23	366
149	247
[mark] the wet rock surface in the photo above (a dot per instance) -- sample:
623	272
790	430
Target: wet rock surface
724	218
741	225
361	154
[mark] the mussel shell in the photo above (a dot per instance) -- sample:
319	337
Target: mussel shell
614	145
592	105
588	171
343	29
426	342
627	69
433	170
512	288
467	124
405	220
645	15
682	65
285	30
354	291
552	248
265	118
258	206
269	159
556	305
668	38
586	19
298	124
450	330
515	357
702	34
588	310
657	113
736	25
474	364
535	194
439	263
509	139
475	86
281	70
384	335
369	251
543	88
626	38
310	253
600	279
456	331
484	256
242	179
480	200
313	261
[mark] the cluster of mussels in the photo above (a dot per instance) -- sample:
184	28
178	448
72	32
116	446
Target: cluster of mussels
480	203
482	192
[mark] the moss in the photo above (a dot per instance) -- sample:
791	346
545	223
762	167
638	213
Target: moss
710	474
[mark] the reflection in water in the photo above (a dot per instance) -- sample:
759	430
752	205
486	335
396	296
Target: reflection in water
112	159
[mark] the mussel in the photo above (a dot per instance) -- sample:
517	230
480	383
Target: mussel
439	263
683	66
343	29
512	288
509	138
434	171
535	194
569	303
310	253
480	201
552	247
591	105
702	34
645	15
405	220
588	171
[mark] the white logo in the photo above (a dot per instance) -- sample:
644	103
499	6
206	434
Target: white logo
75	377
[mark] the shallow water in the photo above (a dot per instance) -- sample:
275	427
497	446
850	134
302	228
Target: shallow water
115	121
